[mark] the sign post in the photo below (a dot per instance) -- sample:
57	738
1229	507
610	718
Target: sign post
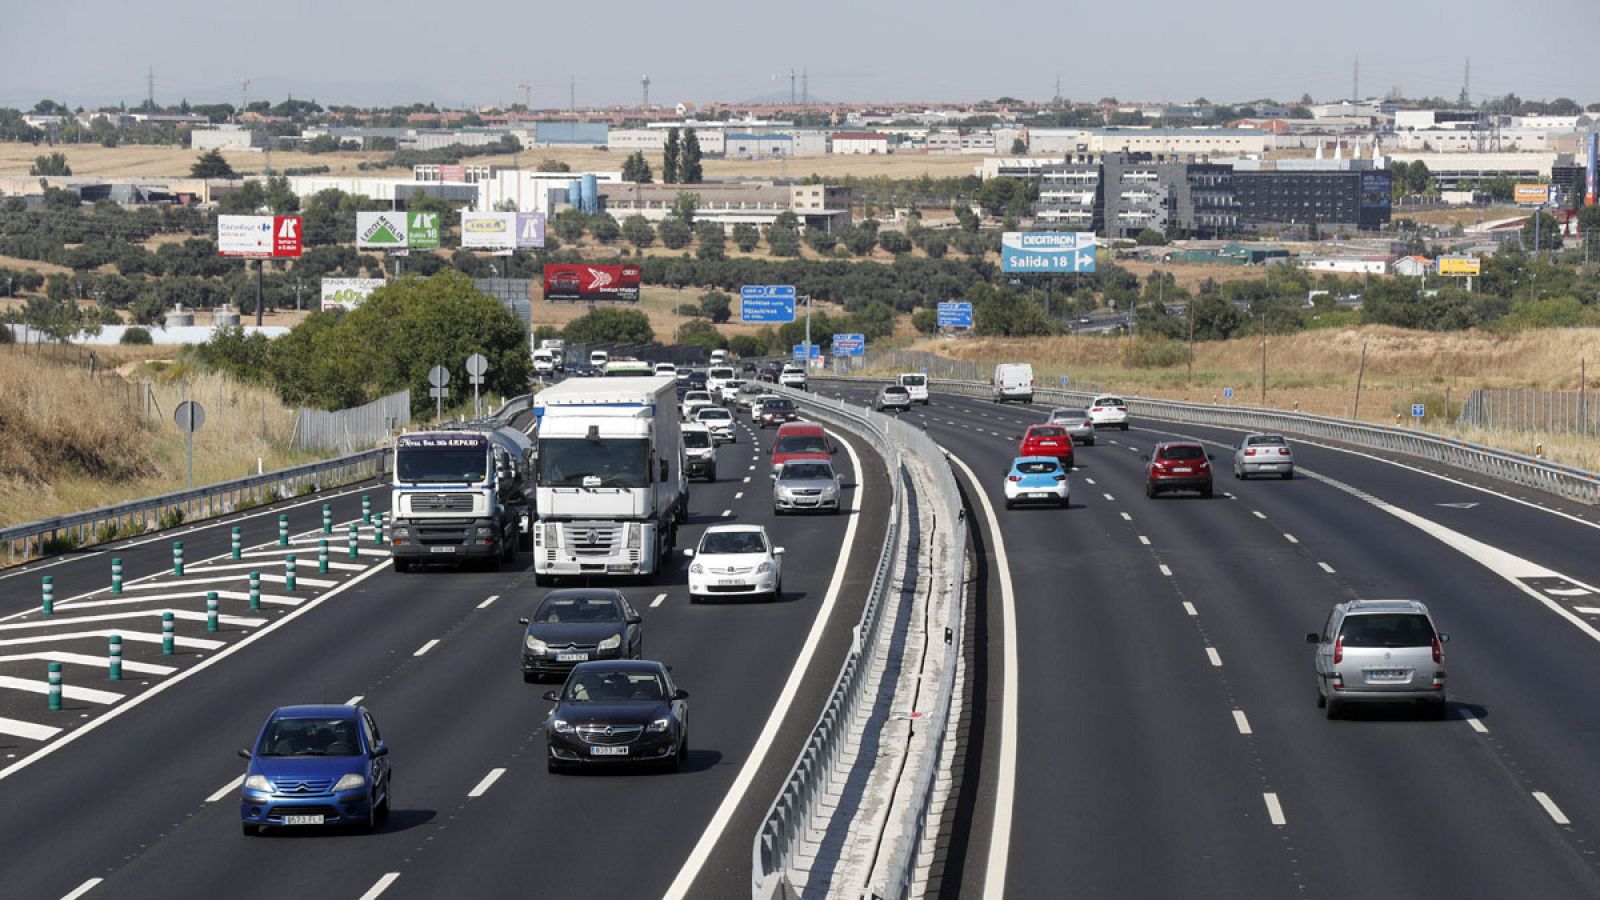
476	366
438	377
190	416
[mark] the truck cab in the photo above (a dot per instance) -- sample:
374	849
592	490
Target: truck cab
461	496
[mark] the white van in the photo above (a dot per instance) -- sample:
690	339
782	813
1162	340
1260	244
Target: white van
916	384
716	378
599	358
544	362
719	357
1013	381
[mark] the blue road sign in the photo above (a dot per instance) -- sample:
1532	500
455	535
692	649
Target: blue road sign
1066	380
1419	410
955	315
766	303
1047	251
1227	393
849	344
800	351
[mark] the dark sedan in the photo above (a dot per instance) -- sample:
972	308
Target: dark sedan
627	711
576	625
776	412
768	374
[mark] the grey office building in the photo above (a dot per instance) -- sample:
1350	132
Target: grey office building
1131	192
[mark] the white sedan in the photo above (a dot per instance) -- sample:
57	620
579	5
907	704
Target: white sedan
735	560
1109	412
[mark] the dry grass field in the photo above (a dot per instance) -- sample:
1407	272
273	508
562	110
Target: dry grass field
162	161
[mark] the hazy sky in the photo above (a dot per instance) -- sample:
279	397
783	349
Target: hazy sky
465	52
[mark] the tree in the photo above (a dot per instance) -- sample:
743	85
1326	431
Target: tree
684	206
689	166
53	164
211	164
935	244
746	236
669	158
603	227
607	325
700	333
637	231
569	224
746	345
636	169
1149	237
674	233
895	242
713	241
821	241
716	306
250	197
784	240
925	321
1018	148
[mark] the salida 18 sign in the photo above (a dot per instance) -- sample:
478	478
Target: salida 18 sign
258	237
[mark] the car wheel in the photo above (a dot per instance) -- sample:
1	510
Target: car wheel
1322	701
711	477
678	759
1011	504
402	565
249	830
694	598
553	767
1124	426
1066	502
530	678
1205	492
508	550
540	580
1438	710
383	808
777	591
1150	490
1288	476
1329	708
1237	474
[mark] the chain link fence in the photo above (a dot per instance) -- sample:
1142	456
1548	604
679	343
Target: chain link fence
351	429
1526	409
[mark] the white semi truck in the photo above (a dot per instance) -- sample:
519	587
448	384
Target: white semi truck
611	490
461	495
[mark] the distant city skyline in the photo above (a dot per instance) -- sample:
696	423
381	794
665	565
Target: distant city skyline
474	53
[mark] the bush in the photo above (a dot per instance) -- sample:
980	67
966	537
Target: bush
135	335
172	518
1154	353
59	543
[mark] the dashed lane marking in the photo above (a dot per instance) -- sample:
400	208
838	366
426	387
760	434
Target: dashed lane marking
1166	571
1242	723
490	601
1559	817
1189	608
426	647
1477	726
71	692
487	782
1144	540
374	892
1214	656
1257	513
660	599
1290	538
226	789
21	729
354	700
1326	568
1274	809
82	889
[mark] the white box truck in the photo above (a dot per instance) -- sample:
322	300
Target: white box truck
610	483
461	496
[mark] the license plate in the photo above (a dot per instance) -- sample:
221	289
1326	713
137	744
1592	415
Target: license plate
1047	443
609	750
441	549
729	581
571	657
302	820
1388	675
1268	466
1183	470
1038	495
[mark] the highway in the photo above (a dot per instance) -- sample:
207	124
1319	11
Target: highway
1166	738
131	789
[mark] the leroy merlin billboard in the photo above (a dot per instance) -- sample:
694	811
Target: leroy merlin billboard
397	230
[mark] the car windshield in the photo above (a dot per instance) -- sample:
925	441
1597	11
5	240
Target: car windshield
1036	468
805	472
719	372
306	736
1387	630
612	463
1069	415
1045	431
1267	440
802	443
733	542
557	610
696	440
708	415
752	388
778	406
612	686
1183	453
441	465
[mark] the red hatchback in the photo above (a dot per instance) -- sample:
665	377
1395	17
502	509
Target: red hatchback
1178	466
1048	440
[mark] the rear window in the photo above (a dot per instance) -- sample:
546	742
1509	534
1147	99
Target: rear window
1109	401
719	373
1070	414
913	380
802	443
1037	468
1267	440
1387	630
1045	431
700	396
706	415
895	389
1183	453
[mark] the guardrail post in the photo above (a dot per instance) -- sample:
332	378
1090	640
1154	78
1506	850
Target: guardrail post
366	508
116	658
322	557
283	531
47	588
166	633
55	687
238	544
355	540
116	575
327	518
177	558
255	590
211	610
288	572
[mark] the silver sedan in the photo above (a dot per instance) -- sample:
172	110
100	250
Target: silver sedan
1077	422
1263	454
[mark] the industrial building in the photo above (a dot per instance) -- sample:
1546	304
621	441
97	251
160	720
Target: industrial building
227	137
1155	141
823	207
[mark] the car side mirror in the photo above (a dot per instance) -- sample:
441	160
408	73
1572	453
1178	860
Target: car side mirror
770	449
635	619
550	695
381	750
688	551
832	450
1444	637
773	475
1145	457
777	551
522	621
244	754
1209	456
680	694
1313	638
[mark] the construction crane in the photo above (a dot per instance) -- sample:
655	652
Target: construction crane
527	88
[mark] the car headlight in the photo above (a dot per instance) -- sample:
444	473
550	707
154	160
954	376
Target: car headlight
534	644
634	530
485	531
561	726
400	531
258	783
696	569
764	568
550	534
610	643
350	782
660	725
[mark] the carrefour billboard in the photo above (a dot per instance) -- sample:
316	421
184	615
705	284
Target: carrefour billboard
258	237
1047	251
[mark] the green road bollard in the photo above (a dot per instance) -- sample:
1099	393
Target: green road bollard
366	508
211	610
322	557
327	518
116	575
55	687
47	587
283	531
177	558
116	657
288	572
238	547
255	590
355	540
378	528
166	633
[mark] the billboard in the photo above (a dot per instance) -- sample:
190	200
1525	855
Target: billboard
347	293
530	231
1592	176
453	172
381	231
489	231
766	303
258	237
422	230
1459	265
1533	194
1377	190
1047	251
590	283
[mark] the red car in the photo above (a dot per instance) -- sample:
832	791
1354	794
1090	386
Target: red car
800	440
1048	440
1178	466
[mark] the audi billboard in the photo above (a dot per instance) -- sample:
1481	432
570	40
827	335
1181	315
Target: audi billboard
584	283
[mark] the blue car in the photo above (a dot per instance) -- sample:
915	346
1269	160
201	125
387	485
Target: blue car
1037	479
316	766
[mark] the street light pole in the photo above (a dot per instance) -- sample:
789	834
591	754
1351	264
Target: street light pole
807	345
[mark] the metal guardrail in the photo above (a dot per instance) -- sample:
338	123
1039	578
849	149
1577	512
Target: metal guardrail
32	539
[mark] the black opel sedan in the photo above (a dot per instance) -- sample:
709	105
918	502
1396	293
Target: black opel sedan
627	711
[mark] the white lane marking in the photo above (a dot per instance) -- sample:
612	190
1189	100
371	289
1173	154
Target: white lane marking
747	479
1477	726
1567	592
1166	571
726	513
1257	513
1133	449
82	889
193	643
1214	656
489	602
487	782
19	728
1588	610
84	659
1229	496
71	692
1127	518
1551	808
354	700
1144	540
188	615
660	599
426	647
738	495
1109	497
383	885
1290	538
1242	723
1189	608
1088	481
752	468
780	714
1326	568
1274	809
226	789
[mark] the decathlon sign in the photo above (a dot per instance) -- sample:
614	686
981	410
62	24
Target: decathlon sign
1047	251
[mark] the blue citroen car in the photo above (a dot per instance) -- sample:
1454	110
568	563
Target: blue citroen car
1037	479
316	766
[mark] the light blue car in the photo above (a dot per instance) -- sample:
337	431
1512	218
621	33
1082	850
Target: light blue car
1037	479
316	766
